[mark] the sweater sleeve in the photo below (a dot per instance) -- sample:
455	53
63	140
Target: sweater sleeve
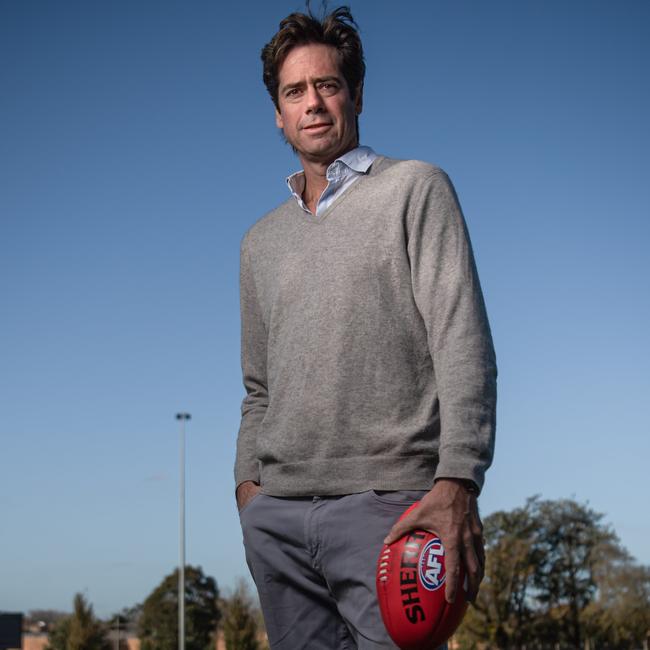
253	361
448	295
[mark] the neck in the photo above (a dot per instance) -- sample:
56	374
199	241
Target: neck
315	183
316	178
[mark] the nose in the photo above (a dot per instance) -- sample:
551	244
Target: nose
314	101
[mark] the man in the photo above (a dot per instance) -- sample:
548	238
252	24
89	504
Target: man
367	359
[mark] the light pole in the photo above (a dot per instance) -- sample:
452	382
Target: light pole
182	417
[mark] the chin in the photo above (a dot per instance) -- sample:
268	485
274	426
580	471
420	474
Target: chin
319	152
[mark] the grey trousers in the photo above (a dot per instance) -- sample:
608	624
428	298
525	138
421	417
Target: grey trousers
313	560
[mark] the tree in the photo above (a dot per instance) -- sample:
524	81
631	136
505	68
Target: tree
239	623
569	538
620	615
121	625
79	631
503	614
549	566
58	637
158	622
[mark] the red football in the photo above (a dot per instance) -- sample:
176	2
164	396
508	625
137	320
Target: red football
411	591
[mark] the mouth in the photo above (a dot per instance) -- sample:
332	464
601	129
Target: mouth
320	126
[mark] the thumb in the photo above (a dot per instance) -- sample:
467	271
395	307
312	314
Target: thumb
400	529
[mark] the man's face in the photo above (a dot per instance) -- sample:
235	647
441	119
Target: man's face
316	113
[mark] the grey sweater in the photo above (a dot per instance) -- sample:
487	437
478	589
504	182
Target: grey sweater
366	351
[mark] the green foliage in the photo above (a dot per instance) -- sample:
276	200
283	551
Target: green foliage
620	615
158	621
79	631
569	536
239	623
58	637
556	577
503	614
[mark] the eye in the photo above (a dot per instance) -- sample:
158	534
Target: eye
293	92
328	87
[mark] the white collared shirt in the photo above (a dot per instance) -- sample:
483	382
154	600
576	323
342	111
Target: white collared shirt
341	174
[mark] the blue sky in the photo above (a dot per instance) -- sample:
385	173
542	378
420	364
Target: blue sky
137	144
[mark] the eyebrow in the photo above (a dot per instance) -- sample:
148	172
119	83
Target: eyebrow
299	84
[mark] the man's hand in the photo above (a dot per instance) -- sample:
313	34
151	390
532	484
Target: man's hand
451	511
245	492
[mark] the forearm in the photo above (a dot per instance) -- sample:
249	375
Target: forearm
467	397
254	373
246	462
448	295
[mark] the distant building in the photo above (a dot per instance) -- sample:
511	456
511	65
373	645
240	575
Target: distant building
11	631
35	641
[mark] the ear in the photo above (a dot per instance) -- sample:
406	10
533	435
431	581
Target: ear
358	100
279	122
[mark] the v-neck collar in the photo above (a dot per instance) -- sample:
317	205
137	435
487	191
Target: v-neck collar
309	218
341	174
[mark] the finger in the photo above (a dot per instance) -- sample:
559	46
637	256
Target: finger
479	542
474	571
479	548
452	567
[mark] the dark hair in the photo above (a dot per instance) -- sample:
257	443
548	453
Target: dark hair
338	29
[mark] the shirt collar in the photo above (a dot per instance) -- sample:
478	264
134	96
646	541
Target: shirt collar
358	160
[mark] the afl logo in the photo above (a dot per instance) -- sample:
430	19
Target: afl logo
431	565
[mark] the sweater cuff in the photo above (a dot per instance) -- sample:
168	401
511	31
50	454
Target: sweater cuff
465	468
250	472
467	483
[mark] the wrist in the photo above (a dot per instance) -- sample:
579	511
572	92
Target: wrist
469	486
